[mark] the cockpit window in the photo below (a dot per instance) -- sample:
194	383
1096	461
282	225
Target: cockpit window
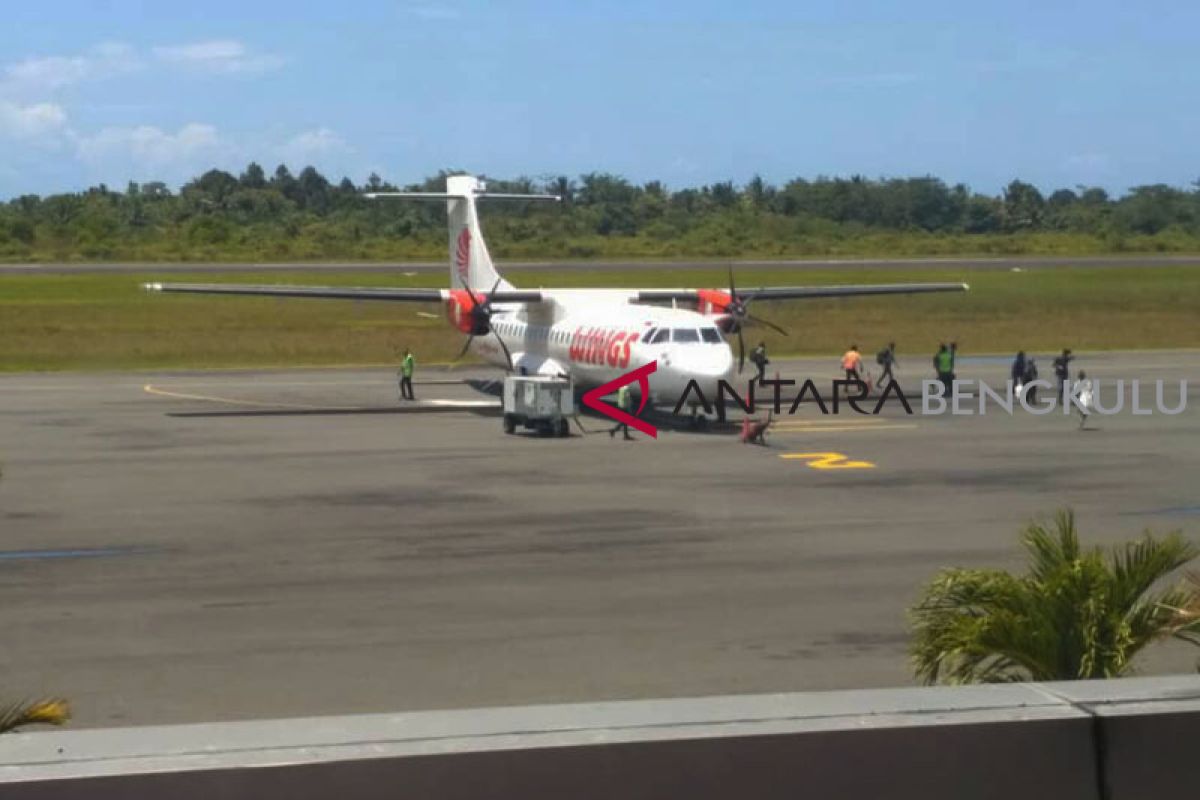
661	336
710	335
685	335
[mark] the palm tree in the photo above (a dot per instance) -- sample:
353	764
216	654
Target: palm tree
52	711
1075	614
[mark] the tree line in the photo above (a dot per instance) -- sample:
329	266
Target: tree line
256	216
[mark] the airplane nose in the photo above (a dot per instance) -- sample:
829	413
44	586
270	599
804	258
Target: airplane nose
715	363
704	366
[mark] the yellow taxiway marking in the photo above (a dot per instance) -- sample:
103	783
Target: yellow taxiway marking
828	461
785	428
838	421
150	389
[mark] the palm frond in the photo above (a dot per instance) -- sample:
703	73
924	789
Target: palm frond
1050	550
1075	614
1140	564
48	711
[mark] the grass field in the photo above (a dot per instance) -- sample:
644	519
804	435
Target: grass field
104	321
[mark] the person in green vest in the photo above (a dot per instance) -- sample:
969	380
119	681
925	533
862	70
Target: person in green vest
943	363
406	372
625	403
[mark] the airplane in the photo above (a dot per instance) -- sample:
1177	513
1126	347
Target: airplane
592	336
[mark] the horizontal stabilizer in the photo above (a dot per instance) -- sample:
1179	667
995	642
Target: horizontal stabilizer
452	196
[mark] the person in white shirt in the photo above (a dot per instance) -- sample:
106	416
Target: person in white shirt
1083	389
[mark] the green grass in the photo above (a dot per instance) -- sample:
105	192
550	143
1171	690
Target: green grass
512	239
104	321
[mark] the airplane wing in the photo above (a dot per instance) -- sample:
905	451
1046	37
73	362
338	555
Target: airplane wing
394	295
796	292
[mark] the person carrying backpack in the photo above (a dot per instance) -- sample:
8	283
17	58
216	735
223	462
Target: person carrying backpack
758	357
1017	373
1031	374
886	358
1062	371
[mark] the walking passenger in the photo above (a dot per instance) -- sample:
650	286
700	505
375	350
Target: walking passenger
852	364
1017	374
406	373
758	357
1031	374
1062	371
886	358
1083	389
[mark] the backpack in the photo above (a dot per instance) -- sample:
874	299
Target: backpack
881	357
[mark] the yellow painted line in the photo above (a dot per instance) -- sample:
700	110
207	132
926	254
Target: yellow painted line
842	421
149	389
828	461
462	403
781	429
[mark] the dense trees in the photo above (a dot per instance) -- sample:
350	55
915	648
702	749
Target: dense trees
256	216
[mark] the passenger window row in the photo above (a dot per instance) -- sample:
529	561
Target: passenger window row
682	335
652	336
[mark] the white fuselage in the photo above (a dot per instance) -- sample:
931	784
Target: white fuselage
597	335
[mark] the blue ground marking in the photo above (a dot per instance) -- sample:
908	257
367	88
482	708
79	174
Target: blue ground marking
93	552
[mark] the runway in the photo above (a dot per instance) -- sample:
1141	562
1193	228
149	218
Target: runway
197	546
798	265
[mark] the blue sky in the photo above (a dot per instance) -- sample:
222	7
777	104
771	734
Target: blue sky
1059	93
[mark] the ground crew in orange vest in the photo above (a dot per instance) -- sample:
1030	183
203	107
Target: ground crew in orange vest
851	362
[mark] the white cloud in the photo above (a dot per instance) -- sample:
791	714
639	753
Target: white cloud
55	72
47	73
224	56
148	147
32	121
312	145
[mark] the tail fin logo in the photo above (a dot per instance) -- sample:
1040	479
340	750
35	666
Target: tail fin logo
462	255
592	400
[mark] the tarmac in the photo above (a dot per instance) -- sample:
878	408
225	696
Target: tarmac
182	547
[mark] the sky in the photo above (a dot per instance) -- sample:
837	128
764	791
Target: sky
684	91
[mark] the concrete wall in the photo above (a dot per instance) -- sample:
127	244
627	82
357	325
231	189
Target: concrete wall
1114	739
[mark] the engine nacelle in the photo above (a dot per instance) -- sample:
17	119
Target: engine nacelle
712	301
716	303
463	314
